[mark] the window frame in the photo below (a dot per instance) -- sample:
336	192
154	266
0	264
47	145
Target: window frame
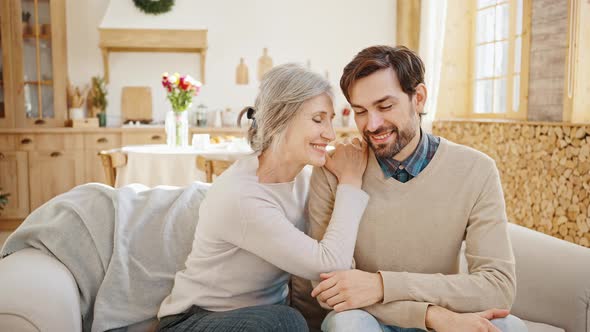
521	114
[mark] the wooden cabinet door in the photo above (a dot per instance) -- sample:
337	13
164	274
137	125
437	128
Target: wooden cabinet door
93	167
14	180
52	173
94	143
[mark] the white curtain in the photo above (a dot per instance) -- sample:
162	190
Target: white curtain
432	35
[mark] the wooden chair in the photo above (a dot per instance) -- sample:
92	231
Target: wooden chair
111	159
212	167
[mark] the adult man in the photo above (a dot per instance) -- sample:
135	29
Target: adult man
427	196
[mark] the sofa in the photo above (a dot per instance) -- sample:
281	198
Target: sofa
38	293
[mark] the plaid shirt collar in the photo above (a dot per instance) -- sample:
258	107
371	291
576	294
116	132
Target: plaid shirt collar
414	164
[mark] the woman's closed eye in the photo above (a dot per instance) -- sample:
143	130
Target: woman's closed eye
320	118
385	107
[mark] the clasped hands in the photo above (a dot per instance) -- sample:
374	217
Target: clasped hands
348	289
355	289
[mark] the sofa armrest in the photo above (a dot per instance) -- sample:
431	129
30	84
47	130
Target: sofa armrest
553	280
38	291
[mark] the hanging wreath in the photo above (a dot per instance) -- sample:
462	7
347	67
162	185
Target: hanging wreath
154	7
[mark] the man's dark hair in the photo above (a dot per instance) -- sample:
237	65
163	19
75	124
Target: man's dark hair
407	65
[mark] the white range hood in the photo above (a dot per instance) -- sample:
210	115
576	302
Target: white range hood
124	28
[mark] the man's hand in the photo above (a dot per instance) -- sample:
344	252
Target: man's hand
350	289
443	320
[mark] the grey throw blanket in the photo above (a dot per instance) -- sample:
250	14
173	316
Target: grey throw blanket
123	246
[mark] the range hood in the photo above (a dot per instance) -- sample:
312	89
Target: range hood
125	29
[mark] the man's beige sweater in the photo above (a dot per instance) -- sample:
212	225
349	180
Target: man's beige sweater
412	233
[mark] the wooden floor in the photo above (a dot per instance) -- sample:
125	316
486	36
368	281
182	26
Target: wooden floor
3	236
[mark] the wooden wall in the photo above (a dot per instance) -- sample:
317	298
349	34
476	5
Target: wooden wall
549	42
545	171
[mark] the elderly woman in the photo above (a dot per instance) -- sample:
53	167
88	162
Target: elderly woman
250	236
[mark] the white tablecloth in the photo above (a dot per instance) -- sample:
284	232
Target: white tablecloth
154	165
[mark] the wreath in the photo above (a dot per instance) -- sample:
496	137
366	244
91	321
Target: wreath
154	6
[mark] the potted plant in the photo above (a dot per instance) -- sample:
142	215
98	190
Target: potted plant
26	16
98	99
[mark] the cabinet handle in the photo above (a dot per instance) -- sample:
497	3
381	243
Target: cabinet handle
156	137
26	141
55	154
102	140
40	122
2	156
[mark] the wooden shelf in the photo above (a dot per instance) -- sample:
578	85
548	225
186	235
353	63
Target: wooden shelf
33	36
39	82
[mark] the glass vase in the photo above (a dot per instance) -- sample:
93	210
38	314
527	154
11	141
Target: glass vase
345	120
177	129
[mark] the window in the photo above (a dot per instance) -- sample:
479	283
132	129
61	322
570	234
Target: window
500	51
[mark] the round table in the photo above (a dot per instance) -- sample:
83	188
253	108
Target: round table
154	165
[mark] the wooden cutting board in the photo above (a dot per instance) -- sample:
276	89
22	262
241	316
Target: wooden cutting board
136	104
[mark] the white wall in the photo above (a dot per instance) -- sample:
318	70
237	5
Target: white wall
328	33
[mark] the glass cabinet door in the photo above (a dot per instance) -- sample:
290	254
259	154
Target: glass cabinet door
4	36
33	65
42	77
37	55
2	105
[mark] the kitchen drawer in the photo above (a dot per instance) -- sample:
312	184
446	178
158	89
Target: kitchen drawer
151	137
49	142
25	142
102	141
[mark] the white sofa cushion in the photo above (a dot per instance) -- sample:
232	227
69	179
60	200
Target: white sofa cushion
532	326
539	327
38	294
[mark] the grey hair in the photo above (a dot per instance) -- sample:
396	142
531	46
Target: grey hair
282	92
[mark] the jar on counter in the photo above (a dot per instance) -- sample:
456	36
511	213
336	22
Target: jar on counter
229	118
201	115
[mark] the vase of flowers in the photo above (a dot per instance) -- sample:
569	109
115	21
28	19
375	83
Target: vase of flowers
180	91
345	117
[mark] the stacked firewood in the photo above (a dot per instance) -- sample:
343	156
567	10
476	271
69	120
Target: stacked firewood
545	171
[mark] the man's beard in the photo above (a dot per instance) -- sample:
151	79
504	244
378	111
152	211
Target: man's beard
387	151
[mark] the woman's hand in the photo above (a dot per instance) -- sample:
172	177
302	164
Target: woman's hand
348	162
